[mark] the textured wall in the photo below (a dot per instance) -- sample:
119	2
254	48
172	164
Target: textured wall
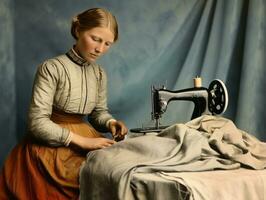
7	78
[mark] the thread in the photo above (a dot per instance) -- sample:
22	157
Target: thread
197	82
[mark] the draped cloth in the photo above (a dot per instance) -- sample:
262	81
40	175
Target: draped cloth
205	143
36	171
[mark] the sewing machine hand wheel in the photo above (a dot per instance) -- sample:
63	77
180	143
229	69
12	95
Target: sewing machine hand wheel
218	97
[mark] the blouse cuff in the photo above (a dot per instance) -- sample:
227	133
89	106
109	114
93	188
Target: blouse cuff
68	140
108	122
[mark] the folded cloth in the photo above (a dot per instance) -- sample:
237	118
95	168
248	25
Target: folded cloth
205	143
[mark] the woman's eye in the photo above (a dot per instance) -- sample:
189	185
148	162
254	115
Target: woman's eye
96	39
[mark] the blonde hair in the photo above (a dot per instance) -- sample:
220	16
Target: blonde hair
92	18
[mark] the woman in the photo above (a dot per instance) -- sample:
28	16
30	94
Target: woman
66	88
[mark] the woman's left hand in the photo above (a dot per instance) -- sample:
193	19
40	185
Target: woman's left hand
118	130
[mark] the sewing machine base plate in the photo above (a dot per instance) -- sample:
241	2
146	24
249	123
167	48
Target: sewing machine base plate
148	129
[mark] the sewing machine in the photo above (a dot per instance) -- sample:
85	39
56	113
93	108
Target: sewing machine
211	101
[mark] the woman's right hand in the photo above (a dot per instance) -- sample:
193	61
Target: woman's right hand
89	144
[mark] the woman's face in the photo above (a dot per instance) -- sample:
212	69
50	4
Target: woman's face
93	43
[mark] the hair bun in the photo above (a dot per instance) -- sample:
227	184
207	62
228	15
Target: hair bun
75	19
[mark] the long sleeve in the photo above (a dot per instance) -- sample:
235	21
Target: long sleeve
100	115
39	123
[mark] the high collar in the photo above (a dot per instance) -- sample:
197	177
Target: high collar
73	56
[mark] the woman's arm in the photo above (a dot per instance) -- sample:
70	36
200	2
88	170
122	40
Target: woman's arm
100	116
39	123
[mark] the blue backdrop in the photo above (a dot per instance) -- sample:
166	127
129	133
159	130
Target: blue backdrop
161	42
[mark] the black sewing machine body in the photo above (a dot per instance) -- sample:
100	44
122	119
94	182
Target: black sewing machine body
212	100
162	97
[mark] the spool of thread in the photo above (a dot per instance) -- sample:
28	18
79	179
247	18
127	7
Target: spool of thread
197	82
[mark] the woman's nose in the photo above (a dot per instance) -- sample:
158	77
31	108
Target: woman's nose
99	48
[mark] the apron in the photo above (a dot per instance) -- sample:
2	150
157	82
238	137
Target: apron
38	172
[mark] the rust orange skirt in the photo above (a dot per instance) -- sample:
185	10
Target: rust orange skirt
37	172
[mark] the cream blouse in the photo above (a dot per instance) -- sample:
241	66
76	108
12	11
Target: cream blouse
70	84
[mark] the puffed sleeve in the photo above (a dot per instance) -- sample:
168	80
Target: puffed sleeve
100	115
39	123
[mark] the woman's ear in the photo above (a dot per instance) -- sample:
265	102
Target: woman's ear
77	32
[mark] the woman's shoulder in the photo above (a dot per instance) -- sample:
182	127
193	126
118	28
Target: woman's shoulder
54	62
98	67
100	70
51	66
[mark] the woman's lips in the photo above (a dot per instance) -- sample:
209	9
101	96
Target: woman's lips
93	55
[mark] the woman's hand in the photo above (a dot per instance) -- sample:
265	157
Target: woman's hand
118	130
88	144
